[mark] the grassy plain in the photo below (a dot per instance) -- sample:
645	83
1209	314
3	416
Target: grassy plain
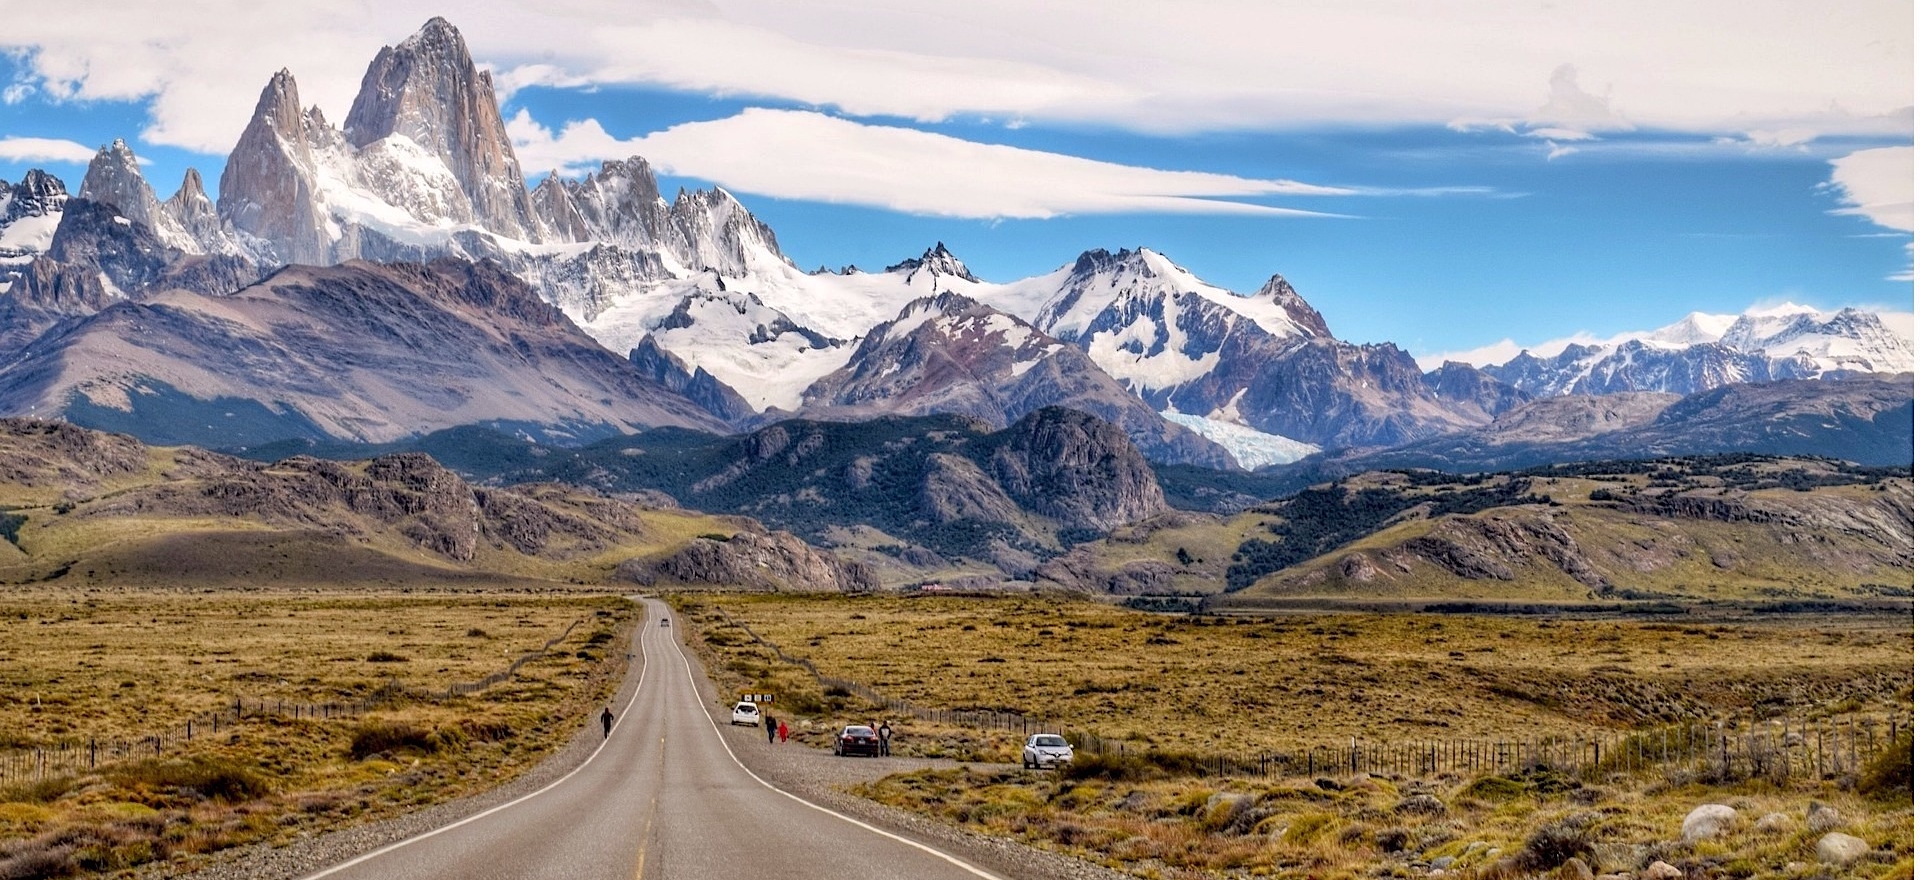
1231	686
1202	684
122	664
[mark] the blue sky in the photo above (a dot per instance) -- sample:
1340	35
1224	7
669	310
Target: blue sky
1503	172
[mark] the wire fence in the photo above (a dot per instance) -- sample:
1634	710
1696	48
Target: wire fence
73	757
1778	749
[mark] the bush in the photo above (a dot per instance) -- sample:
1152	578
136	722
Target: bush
1134	766
376	737
33	862
207	777
486	731
385	657
1890	775
1552	844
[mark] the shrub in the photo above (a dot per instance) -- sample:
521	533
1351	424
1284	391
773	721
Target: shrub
375	737
385	657
486	731
1133	766
1552	844
1890	775
34	861
207	777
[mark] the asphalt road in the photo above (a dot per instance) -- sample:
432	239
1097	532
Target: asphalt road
664	797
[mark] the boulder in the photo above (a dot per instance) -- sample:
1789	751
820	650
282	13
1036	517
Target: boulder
1840	849
1573	869
1660	871
1707	822
1822	818
1775	823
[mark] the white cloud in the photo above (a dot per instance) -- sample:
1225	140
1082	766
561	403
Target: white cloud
35	149
1878	185
1717	67
825	158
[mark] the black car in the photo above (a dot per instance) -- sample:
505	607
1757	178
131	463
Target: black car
857	739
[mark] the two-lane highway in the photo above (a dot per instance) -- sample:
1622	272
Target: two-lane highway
663	797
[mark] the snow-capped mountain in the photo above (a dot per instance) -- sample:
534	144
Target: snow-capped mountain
951	354
1702	352
29	212
1265	362
693	297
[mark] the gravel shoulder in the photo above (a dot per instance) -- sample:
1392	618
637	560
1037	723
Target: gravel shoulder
813	774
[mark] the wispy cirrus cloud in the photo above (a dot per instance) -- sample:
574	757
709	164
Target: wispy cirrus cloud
828	159
1784	69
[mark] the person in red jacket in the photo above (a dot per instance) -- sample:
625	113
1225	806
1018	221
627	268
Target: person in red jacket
783	731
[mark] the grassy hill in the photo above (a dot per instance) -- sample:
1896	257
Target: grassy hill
80	507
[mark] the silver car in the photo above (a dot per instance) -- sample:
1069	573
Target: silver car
1046	750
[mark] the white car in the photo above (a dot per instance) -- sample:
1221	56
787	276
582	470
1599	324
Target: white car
746	713
1045	750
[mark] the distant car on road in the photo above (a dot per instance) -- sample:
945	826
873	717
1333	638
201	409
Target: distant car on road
857	739
1046	750
746	713
663	621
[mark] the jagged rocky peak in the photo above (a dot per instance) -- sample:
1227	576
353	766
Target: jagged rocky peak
620	203
267	190
1282	294
428	90
716	232
36	195
936	261
114	178
1100	260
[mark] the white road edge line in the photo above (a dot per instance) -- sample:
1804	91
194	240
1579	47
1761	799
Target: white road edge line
803	801
639	630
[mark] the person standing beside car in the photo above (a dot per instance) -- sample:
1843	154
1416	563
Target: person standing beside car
771	727
886	738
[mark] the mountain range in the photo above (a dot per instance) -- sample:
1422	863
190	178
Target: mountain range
397	275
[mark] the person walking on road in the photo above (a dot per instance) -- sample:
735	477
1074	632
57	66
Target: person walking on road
772	726
885	732
783	731
606	722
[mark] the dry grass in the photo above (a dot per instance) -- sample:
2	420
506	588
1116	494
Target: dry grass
1196	686
104	665
1383	827
1204	685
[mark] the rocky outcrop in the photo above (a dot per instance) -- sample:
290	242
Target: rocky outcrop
771	562
1470	388
46	454
699	385
1488	547
1076	469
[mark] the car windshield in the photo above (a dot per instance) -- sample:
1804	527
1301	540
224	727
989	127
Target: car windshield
1049	741
857	731
746	707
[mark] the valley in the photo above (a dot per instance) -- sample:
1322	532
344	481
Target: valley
328	500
